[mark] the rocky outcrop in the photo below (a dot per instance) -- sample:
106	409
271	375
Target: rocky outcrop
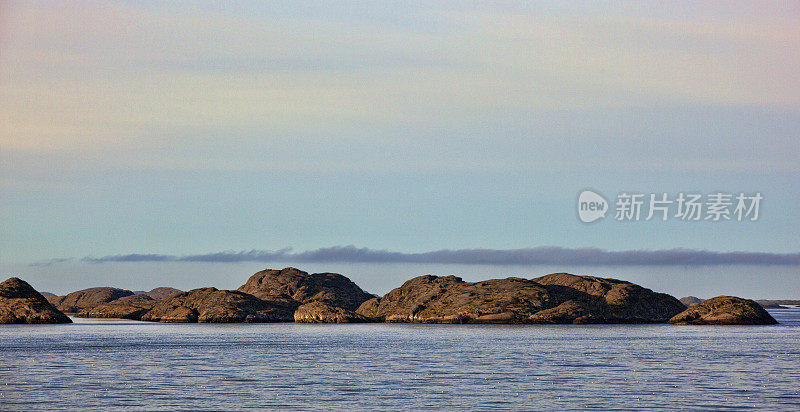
21	303
162	293
724	310
87	298
301	287
318	297
219	306
448	299
268	296
557	298
319	312
570	311
690	300
128	307
611	300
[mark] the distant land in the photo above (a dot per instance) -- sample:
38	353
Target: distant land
766	303
778	303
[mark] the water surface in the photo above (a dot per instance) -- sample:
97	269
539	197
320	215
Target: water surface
101	364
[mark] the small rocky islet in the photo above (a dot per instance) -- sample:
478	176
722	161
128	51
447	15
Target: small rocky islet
292	295
724	310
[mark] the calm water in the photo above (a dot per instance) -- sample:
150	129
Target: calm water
105	364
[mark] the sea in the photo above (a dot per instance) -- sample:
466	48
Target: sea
118	364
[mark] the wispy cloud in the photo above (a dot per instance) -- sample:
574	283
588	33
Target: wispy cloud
548	255
50	262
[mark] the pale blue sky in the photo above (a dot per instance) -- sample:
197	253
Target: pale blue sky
192	128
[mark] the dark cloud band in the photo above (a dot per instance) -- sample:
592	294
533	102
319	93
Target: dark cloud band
527	256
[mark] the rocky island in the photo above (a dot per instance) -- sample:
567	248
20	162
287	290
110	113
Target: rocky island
128	306
21	303
211	305
292	295
77	301
724	310
556	298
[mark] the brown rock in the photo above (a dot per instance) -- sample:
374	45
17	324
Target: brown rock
568	312
433	299
611	300
21	303
137	300
371	309
87	298
53	299
690	301
163	293
319	312
291	283
219	306
127	307
557	298
724	310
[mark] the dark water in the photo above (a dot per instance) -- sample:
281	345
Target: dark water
118	364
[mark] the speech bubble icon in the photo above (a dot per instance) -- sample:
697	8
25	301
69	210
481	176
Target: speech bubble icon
591	206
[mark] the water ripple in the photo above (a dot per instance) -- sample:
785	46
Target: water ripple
109	364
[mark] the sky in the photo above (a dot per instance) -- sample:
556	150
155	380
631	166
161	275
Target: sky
136	137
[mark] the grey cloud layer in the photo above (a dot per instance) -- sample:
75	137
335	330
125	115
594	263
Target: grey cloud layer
527	256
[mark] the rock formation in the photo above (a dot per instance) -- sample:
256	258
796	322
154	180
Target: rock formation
162	293
219	306
87	298
320	312
21	303
290	283
127	307
556	298
448	299
690	300
724	310
611	300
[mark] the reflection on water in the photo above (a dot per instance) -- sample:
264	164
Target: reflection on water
113	364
